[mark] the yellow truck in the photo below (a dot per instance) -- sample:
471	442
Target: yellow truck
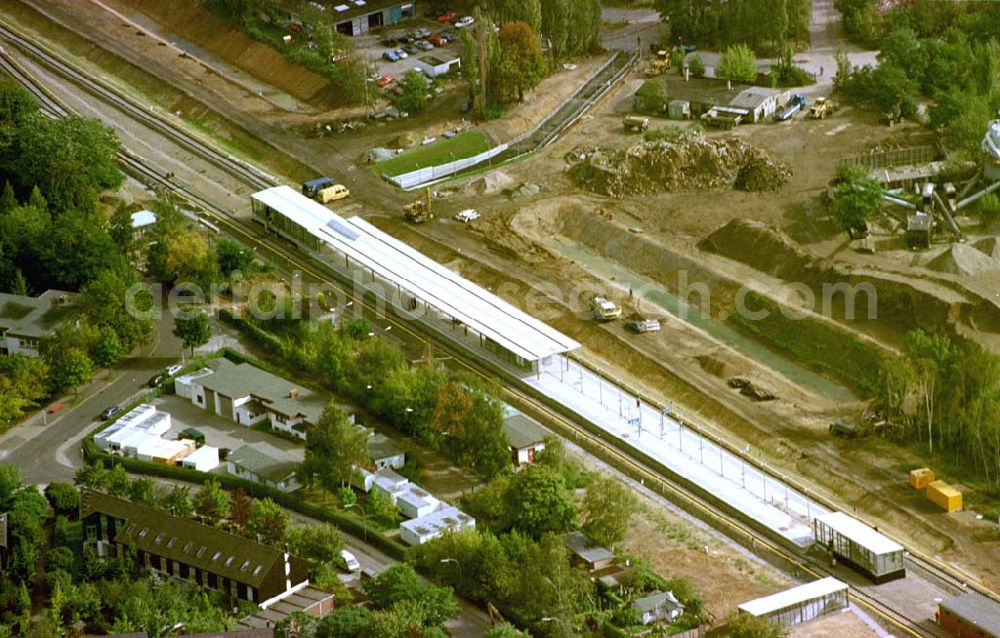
604	309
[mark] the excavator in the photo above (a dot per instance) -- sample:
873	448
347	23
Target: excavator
419	210
658	66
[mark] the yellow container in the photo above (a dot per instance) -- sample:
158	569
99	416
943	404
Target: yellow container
921	478
944	496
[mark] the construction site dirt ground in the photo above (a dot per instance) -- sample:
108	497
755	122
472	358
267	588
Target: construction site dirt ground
682	364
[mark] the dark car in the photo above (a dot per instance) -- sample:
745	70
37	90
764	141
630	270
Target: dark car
389	42
688	48
449	36
411	49
158	380
110	412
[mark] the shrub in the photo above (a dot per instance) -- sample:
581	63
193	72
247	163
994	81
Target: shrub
667	133
697	66
989	206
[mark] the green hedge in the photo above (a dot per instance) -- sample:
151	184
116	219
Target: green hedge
358	529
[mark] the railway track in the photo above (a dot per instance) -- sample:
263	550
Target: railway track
517	392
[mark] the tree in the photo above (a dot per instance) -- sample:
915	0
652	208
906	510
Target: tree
318	544
856	198
70	369
746	626
268	522
177	501
16	105
537	502
233	257
413	95
211	502
380	507
469	420
92	475
193	331
697	66
346	622
7	200
607	509
396	583
737	63
105	300
77	247
239	509
10	485
521	65
335	447
64	499
107	349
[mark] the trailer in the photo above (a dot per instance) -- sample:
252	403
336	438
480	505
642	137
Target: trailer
863	548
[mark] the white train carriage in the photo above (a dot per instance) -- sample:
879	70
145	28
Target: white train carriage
851	541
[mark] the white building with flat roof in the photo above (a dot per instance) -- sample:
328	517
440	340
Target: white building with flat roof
420	530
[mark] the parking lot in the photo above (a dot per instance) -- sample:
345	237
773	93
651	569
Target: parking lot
219	432
403	35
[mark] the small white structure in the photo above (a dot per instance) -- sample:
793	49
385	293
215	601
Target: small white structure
434	66
389	483
420	530
385	452
800	604
183	386
525	437
759	102
142	220
414	502
165	451
204	459
140	422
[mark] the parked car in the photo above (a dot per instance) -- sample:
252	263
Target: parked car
348	562
158	380
388	42
110	412
449	36
401	54
464	21
688	48
447	16
437	41
390	56
411	49
385	80
174	369
467	215
421	33
423	45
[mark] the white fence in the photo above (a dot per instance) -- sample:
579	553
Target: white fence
422	176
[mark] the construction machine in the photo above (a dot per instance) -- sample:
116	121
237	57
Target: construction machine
658	66
419	210
822	108
604	309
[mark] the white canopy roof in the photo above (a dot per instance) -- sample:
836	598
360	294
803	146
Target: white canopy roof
860	533
793	596
424	278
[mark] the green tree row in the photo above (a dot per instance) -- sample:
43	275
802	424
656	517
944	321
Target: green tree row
768	26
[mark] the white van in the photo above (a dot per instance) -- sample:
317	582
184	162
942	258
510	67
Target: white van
348	562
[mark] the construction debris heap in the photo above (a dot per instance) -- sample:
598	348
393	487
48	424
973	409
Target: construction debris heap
689	162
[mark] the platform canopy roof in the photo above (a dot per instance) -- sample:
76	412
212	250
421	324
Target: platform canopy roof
860	533
424	278
794	596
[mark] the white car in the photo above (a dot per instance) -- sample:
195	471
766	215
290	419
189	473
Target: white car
401	54
464	21
174	369
348	561
467	215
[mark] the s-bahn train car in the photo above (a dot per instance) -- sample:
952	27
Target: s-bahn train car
851	541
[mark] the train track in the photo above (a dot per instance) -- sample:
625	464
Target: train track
517	391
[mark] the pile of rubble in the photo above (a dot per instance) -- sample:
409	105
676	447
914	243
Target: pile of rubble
690	162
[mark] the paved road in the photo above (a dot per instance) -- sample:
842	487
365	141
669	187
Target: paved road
643	28
47	447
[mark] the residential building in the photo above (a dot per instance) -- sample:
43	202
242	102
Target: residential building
970	615
586	553
388	482
658	606
414	502
385	452
191	552
420	530
265	464
309	600
525	437
248	395
25	322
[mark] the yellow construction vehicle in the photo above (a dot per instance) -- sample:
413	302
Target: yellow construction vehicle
658	66
419	210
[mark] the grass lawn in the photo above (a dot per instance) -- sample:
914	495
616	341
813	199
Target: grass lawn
463	145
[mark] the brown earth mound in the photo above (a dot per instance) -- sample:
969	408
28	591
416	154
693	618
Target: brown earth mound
202	27
960	259
691	162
